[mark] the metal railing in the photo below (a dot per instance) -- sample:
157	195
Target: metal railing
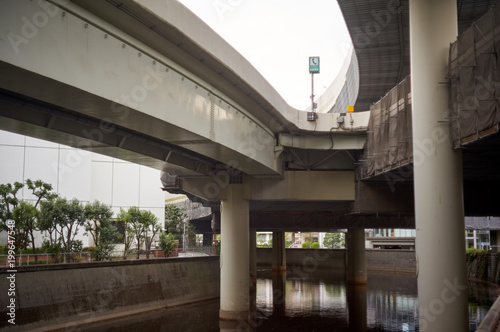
86	257
197	251
46	258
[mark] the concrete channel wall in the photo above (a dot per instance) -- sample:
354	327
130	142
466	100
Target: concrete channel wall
65	295
376	260
70	294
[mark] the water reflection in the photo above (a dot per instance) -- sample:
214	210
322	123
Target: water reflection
320	302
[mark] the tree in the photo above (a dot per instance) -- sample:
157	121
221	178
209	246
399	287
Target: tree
174	220
137	227
137	224
125	218
25	214
334	240
26	217
167	243
8	202
151	223
105	245
103	231
64	218
31	221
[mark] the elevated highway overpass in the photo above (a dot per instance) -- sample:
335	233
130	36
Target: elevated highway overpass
148	82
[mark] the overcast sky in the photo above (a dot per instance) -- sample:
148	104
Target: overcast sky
278	36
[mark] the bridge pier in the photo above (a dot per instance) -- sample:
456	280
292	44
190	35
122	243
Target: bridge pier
356	262
253	259
439	210
235	255
279	253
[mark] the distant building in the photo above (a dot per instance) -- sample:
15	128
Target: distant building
80	174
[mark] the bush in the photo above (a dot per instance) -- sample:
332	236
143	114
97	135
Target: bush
51	249
217	248
315	245
89	249
167	243
306	244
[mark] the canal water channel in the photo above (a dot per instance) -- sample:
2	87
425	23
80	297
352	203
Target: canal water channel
318	301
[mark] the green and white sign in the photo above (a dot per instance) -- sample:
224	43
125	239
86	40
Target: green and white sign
314	64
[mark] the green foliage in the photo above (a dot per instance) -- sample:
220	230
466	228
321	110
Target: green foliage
8	203
167	243
306	244
62	218
315	245
334	240
137	224
25	214
152	227
477	263
50	248
217	247
175	218
103	231
97	215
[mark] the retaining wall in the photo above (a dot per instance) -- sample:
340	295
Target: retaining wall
68	294
376	260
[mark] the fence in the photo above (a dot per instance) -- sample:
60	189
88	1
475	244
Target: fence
30	259
197	251
83	257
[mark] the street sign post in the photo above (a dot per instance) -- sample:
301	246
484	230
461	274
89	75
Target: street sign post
313	69
314	64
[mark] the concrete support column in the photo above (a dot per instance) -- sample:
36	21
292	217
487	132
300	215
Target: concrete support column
207	240
234	258
253	259
279	254
356	302
279	294
356	264
439	211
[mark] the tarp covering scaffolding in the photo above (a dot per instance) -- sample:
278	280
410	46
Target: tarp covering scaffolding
474	72
389	143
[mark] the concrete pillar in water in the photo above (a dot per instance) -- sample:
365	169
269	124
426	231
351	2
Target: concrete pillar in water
279	253
356	264
439	211
279	294
234	258
356	302
253	259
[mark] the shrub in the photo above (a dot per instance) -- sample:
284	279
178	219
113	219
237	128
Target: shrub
315	245
167	243
306	244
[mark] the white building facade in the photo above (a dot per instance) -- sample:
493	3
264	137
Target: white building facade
79	174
